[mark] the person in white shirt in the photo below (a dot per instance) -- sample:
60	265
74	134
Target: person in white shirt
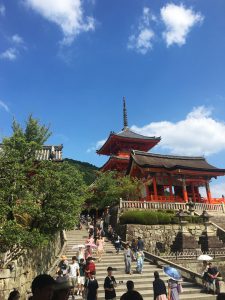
73	274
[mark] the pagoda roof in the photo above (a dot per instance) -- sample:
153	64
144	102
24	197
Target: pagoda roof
127	135
113	161
172	162
48	152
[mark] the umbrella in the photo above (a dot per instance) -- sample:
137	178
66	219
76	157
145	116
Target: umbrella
91	245
172	273
78	246
204	257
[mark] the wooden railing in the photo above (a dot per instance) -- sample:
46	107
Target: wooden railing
170	206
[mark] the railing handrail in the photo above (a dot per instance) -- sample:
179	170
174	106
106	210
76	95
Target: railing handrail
169	205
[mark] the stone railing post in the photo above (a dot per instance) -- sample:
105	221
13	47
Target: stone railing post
121	203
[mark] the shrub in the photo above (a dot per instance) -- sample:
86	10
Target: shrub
160	217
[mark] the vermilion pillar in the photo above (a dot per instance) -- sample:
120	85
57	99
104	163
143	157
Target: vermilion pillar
185	196
155	187
208	192
193	192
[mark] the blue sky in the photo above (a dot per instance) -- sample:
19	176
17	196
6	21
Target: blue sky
70	63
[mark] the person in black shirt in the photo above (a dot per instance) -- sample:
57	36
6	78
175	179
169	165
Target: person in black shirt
131	294
91	287
159	287
140	244
109	285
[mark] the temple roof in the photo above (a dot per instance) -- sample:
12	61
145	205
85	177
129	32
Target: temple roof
129	137
172	162
48	152
117	163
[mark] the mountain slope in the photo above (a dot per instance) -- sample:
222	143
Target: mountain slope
89	171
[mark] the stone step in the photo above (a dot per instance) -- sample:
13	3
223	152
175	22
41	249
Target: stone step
143	282
146	291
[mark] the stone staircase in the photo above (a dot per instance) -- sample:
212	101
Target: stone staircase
218	219
142	282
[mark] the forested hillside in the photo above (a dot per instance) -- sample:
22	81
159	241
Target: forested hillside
89	171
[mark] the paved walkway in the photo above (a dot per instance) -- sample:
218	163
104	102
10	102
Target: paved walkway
142	282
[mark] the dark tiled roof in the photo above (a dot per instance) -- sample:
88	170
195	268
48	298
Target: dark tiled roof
172	162
127	133
49	152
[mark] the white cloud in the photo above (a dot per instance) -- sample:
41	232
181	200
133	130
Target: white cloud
197	134
141	40
10	54
96	146
2	10
67	14
178	21
16	39
217	190
4	106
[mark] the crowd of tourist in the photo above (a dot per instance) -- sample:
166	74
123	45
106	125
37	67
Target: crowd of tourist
78	276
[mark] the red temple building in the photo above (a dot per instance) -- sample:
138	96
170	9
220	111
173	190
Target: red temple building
166	178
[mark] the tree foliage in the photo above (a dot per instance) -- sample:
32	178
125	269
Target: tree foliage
110	186
37	198
88	171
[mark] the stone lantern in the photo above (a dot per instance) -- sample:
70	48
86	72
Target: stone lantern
191	207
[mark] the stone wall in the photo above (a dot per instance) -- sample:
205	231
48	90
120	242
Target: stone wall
27	266
158	236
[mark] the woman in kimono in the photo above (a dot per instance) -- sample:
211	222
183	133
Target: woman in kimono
173	289
140	260
127	259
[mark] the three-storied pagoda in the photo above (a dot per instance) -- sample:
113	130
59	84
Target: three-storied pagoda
166	178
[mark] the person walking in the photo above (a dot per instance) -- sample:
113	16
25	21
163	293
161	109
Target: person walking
81	277
100	247
159	288
134	246
80	254
91	287
140	244
173	293
63	265
73	274
140	260
127	259
117	244
90	267
131	294
110	285
88	252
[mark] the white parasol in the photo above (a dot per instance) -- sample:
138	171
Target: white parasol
78	246
204	257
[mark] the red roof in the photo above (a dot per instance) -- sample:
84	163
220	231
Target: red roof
127	140
116	163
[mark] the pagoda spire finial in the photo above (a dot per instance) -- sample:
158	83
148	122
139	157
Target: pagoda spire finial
125	122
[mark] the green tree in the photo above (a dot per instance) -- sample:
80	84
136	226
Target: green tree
37	198
110	186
